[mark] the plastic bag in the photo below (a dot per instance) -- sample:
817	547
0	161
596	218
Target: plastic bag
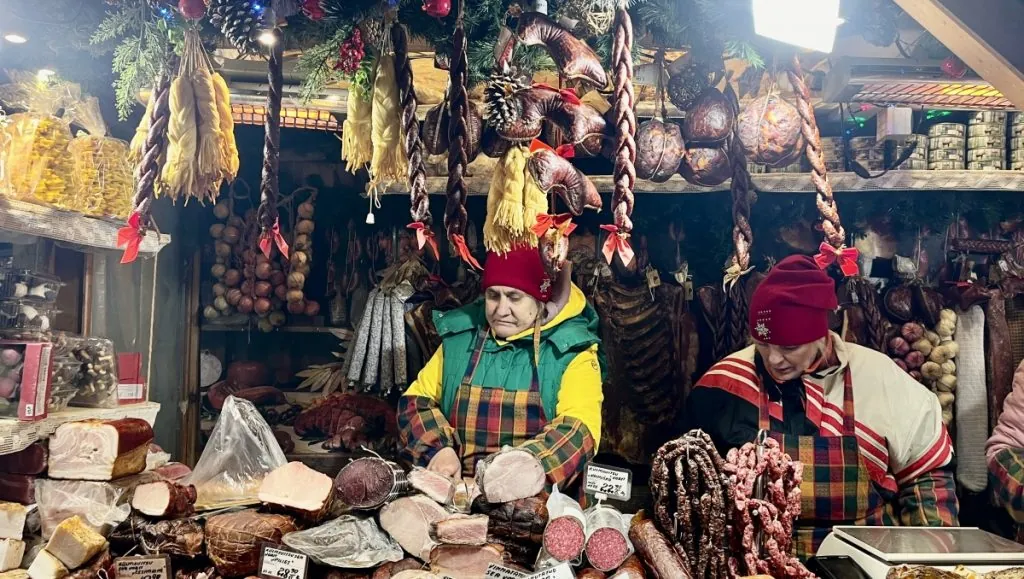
102	174
608	543
102	505
565	517
349	541
97	380
241	451
37	164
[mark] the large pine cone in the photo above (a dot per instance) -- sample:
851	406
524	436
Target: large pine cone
238	21
706	166
659	150
685	87
769	129
710	120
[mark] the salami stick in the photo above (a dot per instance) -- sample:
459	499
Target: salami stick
267	212
455	216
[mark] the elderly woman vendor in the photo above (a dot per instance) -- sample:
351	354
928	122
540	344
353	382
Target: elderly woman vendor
518	367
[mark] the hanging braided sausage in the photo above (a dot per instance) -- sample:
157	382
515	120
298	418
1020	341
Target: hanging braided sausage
148	171
743	195
830	224
420	209
455	216
267	212
625	122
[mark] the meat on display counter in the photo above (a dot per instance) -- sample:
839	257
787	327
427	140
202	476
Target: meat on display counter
915	553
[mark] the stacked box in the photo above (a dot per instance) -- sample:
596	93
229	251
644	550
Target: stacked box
1017	142
833	150
986	141
946	146
868	152
918	160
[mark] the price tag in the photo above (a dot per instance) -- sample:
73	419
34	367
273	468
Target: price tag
688	290
276	562
143	567
498	572
560	571
653	277
608	481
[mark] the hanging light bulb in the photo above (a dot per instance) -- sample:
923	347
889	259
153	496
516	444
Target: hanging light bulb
267	38
15	38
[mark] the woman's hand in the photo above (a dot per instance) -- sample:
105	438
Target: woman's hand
446	462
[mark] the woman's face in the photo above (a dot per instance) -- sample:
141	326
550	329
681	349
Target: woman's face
509	311
789	362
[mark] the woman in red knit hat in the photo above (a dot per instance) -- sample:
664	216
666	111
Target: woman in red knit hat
519	367
871	438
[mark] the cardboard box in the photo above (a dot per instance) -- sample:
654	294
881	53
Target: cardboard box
131	384
33	384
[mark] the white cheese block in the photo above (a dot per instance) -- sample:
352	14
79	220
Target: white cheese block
12	520
15	574
46	566
11	552
74	542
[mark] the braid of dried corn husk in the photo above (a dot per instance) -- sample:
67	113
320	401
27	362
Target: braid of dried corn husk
138	144
209	157
179	169
356	132
228	147
388	163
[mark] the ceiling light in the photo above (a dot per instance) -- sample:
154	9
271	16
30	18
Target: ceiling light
267	38
44	74
15	38
805	23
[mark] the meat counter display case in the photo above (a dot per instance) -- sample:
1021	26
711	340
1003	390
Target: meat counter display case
914	553
97	297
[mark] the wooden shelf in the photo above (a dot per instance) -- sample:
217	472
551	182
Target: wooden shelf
70	227
340	333
793	183
16	435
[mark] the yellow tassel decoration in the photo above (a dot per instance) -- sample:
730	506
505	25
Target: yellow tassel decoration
505	225
209	158
138	144
356	148
228	147
179	170
388	163
535	202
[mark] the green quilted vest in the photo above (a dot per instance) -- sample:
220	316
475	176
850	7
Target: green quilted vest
510	366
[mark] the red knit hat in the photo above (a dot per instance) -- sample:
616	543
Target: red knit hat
791	305
521	269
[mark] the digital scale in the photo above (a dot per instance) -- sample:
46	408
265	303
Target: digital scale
869	552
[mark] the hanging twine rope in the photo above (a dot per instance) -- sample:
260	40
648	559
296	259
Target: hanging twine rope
835	235
420	201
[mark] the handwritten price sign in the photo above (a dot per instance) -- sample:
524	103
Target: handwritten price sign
498	572
560	571
278	563
149	567
609	481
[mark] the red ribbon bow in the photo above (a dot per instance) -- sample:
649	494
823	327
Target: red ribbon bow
463	251
566	151
617	241
424	236
273	236
567	93
846	257
130	237
562	222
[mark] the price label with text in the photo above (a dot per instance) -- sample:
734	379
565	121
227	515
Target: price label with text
143	567
560	571
614	483
498	572
279	563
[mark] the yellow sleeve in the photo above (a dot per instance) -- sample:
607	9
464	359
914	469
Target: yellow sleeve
428	381
580	395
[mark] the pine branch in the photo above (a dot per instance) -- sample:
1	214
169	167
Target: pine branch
316	64
744	51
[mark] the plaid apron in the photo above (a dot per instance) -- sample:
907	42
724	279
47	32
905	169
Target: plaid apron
486	419
836	488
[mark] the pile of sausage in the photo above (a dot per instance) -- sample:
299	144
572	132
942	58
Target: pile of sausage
770	517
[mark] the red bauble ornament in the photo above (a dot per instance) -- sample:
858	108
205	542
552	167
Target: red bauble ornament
350	53
437	8
954	67
192	9
312	9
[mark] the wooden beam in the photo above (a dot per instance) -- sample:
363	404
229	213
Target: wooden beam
983	33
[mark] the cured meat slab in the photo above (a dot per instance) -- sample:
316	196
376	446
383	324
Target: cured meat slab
32	460
233	539
164	499
509	475
99	449
18	488
462	530
464	561
409	520
12	520
11	552
74	543
435	485
46	566
298	488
